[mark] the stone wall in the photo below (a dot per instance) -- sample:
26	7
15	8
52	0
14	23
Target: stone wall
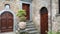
37	5
55	10
14	6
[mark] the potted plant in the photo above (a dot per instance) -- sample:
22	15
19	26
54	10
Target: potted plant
21	15
22	20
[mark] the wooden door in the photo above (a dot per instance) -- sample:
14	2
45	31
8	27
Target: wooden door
6	22
44	21
0	23
27	8
3	23
9	22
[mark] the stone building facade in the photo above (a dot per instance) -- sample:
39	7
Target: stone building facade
35	7
53	10
13	7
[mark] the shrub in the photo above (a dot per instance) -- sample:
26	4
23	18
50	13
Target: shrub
21	14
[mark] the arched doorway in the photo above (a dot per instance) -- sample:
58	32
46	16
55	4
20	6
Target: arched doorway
44	20
6	22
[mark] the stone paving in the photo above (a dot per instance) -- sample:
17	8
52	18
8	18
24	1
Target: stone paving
8	33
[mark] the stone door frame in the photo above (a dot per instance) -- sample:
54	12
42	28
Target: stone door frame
21	2
14	17
44	12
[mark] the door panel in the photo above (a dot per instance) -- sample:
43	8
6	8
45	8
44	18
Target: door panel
10	22
44	21
27	8
0	23
6	22
3	23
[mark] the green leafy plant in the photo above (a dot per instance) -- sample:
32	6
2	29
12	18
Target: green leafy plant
21	14
58	32
51	32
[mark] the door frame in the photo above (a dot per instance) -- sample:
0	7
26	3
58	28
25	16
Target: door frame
11	15
21	2
48	19
14	18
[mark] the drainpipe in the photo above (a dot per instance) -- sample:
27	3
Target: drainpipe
51	15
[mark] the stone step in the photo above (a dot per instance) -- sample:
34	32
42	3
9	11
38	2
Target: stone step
29	23
23	30
31	29
33	32
32	26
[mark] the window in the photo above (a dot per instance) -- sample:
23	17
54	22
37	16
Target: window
7	6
